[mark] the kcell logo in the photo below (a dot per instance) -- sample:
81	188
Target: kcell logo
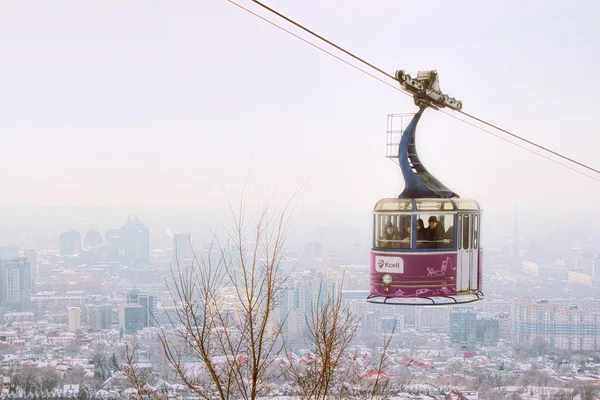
389	264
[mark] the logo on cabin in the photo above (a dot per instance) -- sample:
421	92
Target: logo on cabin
389	264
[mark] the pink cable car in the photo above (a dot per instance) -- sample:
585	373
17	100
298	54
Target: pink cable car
426	243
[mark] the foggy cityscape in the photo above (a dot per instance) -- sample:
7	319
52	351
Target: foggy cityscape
194	202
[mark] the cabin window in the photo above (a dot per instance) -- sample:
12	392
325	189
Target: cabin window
465	231
392	231
435	231
475	231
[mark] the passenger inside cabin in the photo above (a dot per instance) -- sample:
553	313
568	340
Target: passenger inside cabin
420	230
391	238
434	234
405	233
449	237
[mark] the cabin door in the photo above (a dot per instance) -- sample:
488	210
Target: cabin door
464	252
474	253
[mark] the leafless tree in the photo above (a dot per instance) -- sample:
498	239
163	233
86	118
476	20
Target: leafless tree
381	385
138	378
225	307
27	378
587	391
375	383
331	371
48	378
330	331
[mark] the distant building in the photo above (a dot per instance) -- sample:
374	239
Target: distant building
487	329
9	251
395	324
131	317
371	322
311	255
463	326
70	243
495	306
31	255
585	263
150	309
8	337
98	317
564	326
18	316
74	317
286	313
136	240
15	283
149	306
469	328
92	239
131	243
435	319
580	278
183	250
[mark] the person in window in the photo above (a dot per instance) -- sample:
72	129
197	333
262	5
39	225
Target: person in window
449	237
405	234
420	230
391	237
434	234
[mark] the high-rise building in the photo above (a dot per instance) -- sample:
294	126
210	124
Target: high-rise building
150	309
182	249
92	239
435	319
70	243
9	251
131	317
565	326
74	318
136	241
149	306
487	329
286	315
468	327
310	255
31	255
131	243
15	283
371	322
98	317
463	326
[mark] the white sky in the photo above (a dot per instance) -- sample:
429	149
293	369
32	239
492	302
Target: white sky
168	103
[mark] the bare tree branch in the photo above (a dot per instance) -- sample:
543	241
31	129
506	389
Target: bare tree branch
223	336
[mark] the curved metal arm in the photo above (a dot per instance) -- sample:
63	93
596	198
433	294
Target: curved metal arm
418	182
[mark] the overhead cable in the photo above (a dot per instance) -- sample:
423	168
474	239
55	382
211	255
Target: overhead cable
379	70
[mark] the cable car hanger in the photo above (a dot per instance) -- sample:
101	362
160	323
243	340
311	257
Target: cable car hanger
406	90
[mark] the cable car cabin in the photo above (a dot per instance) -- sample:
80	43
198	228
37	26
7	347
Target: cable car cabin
426	251
426	245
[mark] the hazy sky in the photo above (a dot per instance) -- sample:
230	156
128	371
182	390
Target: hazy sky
170	103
